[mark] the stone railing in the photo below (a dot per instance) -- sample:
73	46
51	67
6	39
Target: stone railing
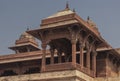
68	66
88	71
59	66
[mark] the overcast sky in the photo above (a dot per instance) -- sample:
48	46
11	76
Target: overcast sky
17	15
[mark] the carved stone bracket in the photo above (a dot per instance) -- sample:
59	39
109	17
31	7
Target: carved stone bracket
44	46
73	34
41	36
85	39
94	52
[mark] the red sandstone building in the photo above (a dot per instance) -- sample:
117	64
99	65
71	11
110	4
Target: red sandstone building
76	52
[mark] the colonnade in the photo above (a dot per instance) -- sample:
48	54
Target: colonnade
88	59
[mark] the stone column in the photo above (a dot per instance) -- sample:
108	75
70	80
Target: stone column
81	55
88	59
59	57
19	69
73	52
52	56
43	57
28	50
94	61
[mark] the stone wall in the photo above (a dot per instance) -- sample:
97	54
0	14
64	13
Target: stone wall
101	67
68	75
108	79
119	71
112	69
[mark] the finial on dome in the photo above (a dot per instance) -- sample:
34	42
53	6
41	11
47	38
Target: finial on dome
74	10
88	18
67	5
90	22
27	29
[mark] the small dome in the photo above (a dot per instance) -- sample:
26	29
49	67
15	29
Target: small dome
25	43
26	38
26	35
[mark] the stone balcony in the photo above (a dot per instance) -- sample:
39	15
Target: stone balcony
69	66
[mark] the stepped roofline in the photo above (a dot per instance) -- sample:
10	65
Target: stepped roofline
38	55
25	41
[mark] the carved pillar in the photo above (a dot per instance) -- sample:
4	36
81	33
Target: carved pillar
94	61
81	55
52	56
43	57
88	59
59	57
73	41
88	51
19	68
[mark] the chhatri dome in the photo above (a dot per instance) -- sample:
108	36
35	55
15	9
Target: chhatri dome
25	43
27	36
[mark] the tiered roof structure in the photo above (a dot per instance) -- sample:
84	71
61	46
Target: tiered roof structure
25	43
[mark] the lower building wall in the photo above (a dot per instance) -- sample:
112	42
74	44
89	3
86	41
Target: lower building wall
68	75
101	68
119	71
111	69
108	79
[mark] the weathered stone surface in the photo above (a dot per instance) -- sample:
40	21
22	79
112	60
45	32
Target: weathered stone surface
68	75
108	79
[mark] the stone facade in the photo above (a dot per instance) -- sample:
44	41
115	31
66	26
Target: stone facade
68	75
76	52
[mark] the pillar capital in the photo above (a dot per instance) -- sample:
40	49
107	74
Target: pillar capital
81	45
94	53
44	45
73	41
